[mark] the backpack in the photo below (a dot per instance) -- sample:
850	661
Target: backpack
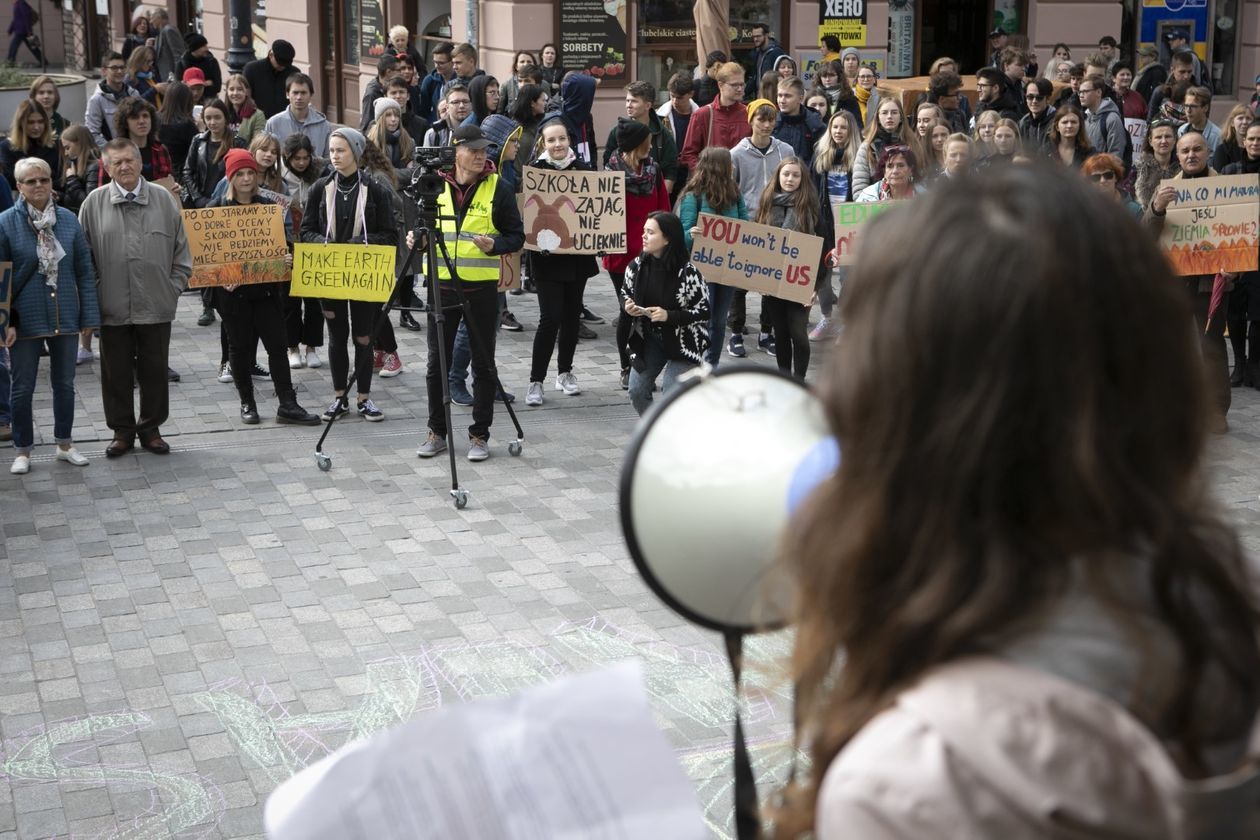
1127	154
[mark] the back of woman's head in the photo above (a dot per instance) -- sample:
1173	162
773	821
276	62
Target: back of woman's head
523	107
1050	410
714	179
177	104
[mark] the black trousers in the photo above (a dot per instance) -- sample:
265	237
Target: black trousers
623	320
739	310
1212	338
303	321
135	354
345	317
559	313
483	305
247	321
790	321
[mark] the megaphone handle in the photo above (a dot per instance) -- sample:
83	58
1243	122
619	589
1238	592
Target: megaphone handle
747	811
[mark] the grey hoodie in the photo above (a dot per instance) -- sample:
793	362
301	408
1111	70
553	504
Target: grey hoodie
317	128
754	168
1105	128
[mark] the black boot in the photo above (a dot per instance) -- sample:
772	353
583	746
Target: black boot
406	319
1238	342
291	413
249	414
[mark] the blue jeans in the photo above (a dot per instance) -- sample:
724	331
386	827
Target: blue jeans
720	298
641	384
461	356
5	417
24	360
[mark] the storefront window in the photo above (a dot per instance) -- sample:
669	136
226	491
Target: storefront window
259	20
351	10
667	35
1225	47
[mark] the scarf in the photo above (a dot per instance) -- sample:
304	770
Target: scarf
338	184
563	163
641	183
783	212
47	249
863	96
885	193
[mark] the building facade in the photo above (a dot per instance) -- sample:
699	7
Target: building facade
338	41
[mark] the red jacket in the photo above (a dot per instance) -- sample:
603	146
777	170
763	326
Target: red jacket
730	125
637	209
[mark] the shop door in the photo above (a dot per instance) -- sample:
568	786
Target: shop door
339	63
956	28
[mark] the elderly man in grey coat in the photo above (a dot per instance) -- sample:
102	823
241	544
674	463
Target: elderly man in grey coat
143	263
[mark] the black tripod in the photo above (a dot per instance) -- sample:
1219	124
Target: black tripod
429	240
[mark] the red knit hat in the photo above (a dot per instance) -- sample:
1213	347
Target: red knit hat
236	160
194	76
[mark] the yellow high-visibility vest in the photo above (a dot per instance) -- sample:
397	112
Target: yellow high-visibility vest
471	264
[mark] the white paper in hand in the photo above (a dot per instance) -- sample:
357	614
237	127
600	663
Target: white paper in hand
576	759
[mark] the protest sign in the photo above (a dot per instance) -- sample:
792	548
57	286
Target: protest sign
850	217
760	258
569	212
1137	131
1212	225
235	246
343	272
6	290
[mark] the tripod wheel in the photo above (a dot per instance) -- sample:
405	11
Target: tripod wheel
461	498
323	461
514	448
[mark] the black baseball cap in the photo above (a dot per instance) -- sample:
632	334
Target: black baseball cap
997	30
283	52
470	137
1176	34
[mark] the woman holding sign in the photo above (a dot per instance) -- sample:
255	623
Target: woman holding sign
667	298
255	311
561	281
347	207
790	202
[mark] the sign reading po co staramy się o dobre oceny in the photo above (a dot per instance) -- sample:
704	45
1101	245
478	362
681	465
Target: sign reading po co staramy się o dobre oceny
236	245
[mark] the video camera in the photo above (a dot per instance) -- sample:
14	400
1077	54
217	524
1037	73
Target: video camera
430	161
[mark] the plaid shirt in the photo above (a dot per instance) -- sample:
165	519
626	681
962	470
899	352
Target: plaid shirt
157	166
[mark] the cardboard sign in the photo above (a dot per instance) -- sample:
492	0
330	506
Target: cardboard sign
6	290
235	246
1212	225
850	217
760	258
1137	131
510	270
569	212
343	272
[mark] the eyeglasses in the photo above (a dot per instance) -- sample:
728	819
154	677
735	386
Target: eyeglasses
116	68
1034	97
1086	90
734	84
1103	176
30	182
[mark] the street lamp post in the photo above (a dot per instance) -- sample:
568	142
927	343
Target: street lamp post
241	51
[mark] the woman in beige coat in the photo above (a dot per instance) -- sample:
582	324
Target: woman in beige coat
1020	613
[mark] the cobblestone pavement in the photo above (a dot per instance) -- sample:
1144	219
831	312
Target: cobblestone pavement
180	634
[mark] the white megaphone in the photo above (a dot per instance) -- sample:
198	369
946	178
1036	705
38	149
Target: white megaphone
703	512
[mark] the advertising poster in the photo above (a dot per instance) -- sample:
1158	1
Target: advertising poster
846	19
593	38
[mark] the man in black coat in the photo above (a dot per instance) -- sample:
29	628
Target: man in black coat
266	77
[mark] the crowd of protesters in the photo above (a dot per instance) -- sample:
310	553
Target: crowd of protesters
749	140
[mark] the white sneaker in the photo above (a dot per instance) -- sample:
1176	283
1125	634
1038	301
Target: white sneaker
312	358
21	465
83	355
534	396
295	360
225	373
72	456
568	383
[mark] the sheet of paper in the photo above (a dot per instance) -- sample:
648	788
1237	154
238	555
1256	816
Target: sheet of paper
577	758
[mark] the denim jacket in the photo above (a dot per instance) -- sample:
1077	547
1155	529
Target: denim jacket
38	309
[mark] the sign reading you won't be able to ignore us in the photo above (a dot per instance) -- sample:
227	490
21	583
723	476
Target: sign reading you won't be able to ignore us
760	258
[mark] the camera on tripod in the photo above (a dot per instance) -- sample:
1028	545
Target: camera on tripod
430	162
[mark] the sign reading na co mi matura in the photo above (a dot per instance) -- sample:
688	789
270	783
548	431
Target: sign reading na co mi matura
237	245
343	271
1212	225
